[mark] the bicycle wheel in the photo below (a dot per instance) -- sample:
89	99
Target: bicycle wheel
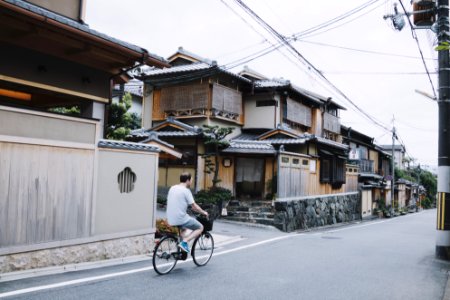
203	249
165	255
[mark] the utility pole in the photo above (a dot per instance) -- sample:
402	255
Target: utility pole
393	168
443	205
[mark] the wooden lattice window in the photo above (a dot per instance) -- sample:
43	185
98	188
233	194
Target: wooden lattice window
184	97
298	113
226	99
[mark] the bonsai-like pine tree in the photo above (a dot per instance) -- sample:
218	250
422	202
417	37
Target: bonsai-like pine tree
214	138
120	121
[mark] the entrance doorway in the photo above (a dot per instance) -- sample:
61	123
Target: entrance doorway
249	178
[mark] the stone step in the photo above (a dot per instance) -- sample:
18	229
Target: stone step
250	203
256	209
262	221
250	215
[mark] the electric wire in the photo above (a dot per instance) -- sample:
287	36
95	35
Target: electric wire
302	59
414	35
338	25
334	20
363	50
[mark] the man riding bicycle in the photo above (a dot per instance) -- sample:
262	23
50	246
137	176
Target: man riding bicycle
178	200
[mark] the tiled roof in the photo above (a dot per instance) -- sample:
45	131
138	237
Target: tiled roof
153	136
177	133
179	69
127	145
285	141
250	147
185	52
200	66
188	130
271	83
331	143
66	21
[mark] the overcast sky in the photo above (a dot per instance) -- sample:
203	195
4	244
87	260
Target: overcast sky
379	69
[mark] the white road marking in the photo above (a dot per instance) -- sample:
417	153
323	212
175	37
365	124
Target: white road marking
117	274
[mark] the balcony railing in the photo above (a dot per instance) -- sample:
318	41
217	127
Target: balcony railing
365	166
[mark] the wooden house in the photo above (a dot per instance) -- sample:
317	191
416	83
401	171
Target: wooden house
286	140
60	183
372	165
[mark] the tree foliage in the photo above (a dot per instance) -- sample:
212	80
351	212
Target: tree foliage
423	177
120	121
214	139
71	111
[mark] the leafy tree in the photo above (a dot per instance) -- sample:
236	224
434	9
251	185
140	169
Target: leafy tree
120	121
71	111
427	179
215	138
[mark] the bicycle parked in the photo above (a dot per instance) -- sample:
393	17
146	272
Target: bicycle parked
167	252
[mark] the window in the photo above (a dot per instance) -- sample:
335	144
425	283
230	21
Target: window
295	161
332	170
126	180
266	103
325	166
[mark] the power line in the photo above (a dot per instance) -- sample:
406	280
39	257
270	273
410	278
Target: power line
302	59
341	24
375	73
364	51
334	20
420	50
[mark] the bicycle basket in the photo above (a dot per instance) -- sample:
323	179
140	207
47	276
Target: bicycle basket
207	223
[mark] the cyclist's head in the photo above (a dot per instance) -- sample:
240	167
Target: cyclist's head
185	176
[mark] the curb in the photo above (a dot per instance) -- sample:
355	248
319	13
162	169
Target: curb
4	277
222	240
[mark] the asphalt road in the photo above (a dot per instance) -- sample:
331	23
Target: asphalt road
382	259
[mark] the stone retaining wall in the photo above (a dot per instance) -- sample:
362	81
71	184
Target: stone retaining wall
89	252
307	212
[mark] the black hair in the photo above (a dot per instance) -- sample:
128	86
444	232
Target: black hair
185	176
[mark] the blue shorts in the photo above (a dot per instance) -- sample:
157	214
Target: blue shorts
192	224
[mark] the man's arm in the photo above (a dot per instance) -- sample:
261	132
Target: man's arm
198	209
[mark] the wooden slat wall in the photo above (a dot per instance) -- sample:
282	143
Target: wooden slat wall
351	182
184	97
299	113
293	178
36	204
331	123
157	112
226	99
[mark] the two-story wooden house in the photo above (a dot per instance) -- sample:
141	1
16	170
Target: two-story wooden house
372	164
286	140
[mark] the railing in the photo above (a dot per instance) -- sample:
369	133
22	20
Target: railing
365	166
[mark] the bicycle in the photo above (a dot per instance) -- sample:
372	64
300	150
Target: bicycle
167	253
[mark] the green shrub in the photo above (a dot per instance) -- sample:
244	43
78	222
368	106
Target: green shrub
213	196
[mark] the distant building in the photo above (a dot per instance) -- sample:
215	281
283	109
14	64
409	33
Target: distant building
399	154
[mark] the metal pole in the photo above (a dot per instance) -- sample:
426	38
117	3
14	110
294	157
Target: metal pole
443	203
393	169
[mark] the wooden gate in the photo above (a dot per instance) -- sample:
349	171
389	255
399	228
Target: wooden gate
293	175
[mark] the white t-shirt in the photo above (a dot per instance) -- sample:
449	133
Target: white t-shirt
178	199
